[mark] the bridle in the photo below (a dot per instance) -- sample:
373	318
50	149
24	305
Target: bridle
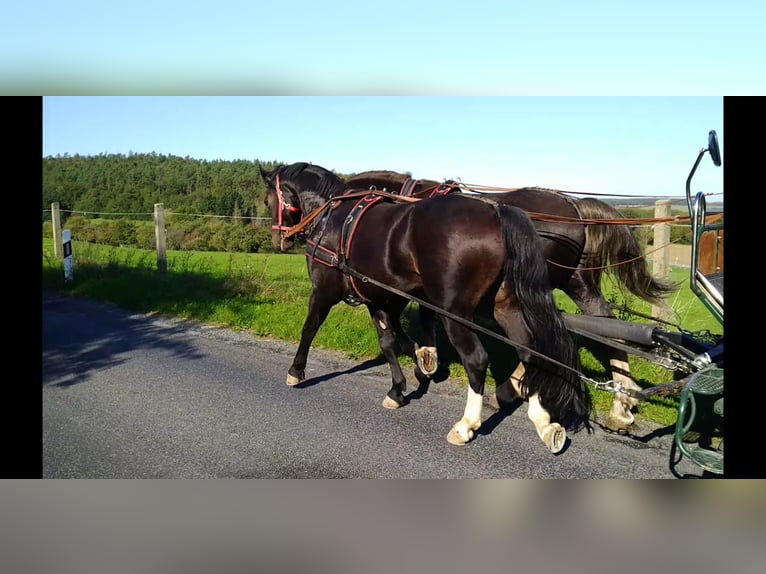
283	205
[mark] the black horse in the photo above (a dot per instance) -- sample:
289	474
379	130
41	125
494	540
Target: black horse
466	257
578	252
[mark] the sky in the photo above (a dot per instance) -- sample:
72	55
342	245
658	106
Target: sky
342	47
638	146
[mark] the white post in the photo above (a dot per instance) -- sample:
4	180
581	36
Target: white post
66	238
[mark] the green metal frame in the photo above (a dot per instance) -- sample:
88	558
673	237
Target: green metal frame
708	382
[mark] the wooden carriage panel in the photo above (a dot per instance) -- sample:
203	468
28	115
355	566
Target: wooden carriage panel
711	252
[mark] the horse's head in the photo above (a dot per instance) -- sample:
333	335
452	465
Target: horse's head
284	207
293	192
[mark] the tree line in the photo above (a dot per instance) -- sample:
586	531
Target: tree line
117	187
117	183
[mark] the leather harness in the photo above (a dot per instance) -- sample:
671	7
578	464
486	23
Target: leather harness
317	252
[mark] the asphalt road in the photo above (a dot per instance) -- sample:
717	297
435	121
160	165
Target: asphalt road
133	396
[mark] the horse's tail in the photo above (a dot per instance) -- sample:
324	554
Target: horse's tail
615	249
561	390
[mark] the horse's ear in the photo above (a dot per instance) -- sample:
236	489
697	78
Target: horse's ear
266	175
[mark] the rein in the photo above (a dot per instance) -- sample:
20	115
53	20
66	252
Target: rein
365	279
288	232
353	273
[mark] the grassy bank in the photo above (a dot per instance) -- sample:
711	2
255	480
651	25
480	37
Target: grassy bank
267	294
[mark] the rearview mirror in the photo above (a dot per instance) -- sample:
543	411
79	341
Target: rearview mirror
712	147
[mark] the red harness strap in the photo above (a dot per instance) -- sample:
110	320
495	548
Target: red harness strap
282	205
327	257
444	188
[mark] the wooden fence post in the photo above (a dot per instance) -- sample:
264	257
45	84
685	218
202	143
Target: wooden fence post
159	234
58	242
661	255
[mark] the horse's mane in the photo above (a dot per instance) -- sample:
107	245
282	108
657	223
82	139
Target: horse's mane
320	180
387	175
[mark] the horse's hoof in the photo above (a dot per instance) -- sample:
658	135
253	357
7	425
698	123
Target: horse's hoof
454	437
427	360
619	419
292	381
555	437
617	424
390	403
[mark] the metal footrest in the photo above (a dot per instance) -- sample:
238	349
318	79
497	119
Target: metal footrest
710	460
708	384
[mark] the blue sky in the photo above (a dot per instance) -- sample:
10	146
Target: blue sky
606	145
339	47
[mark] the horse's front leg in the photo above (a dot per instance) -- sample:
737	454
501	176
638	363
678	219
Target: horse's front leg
385	327
319	308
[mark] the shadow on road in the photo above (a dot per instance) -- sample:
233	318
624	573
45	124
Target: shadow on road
71	355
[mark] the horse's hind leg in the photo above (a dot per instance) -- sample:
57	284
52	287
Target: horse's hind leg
384	325
591	302
475	360
425	356
509	391
552	434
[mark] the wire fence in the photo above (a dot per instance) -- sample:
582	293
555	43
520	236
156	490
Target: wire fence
170	231
137	215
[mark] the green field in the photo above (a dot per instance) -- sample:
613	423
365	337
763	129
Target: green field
267	295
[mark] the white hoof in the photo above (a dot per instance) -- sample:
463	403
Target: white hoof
455	437
390	403
292	381
620	417
554	436
427	360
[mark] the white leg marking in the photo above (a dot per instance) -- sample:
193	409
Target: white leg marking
552	434
464	429
516	376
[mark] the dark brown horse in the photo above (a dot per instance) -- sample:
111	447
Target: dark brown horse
465	257
577	255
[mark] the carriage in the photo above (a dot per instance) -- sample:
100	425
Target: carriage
459	258
696	359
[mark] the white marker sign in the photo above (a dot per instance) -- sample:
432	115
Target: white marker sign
66	237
